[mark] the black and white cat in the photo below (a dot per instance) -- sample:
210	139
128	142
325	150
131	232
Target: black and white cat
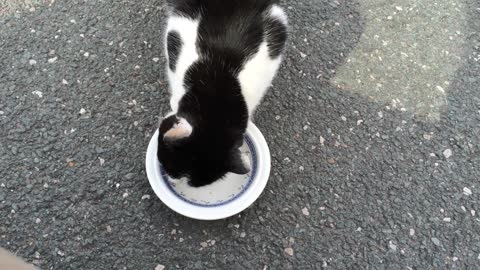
222	57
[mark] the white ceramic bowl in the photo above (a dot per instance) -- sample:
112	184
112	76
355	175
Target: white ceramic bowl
223	198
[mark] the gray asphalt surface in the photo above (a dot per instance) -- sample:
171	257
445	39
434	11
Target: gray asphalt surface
357	182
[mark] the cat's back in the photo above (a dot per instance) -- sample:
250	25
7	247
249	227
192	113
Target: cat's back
231	25
192	8
247	35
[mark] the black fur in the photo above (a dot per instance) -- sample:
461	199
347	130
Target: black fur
174	45
276	34
229	33
215	108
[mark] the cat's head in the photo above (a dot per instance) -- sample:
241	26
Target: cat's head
186	149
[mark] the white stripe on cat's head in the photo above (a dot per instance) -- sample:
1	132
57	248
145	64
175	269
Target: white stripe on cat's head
180	130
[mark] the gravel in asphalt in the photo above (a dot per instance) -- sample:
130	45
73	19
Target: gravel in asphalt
357	182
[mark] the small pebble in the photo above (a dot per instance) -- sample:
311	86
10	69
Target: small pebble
472	212
156	59
125	195
243	234
83	111
467	191
447	219
86	54
145	197
38	220
160	267
204	244
38	93
109	229
32	62
392	246
305	211
436	241
64	82
289	251
343	118
52	60
447	153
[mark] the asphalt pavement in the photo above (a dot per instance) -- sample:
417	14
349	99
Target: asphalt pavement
373	123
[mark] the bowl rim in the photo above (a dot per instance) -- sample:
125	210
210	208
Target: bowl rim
249	196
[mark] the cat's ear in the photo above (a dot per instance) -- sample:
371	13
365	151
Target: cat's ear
175	128
238	163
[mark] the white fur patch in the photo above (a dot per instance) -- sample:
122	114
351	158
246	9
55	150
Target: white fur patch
246	161
187	28
257	75
168	115
278	13
180	130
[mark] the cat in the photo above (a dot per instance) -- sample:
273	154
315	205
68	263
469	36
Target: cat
222	56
